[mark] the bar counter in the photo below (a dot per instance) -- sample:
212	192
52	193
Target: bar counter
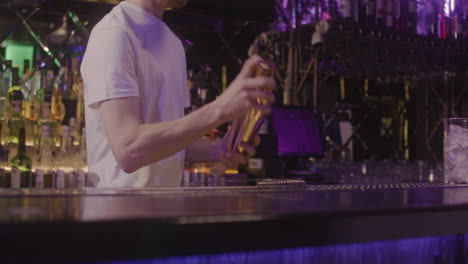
114	224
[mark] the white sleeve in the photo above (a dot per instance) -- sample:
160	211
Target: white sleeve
108	67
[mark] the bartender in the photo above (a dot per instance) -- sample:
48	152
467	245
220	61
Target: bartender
134	73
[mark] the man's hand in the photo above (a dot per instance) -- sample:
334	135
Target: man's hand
242	94
231	157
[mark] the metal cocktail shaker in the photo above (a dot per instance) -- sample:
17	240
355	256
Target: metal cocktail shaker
252	121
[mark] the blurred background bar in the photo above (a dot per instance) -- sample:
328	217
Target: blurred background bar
361	128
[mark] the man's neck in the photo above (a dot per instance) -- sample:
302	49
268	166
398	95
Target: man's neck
152	6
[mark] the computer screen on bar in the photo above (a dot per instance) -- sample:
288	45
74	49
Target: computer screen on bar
298	131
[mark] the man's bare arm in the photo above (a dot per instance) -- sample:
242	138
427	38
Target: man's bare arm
135	144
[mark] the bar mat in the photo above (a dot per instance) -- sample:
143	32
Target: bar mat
371	187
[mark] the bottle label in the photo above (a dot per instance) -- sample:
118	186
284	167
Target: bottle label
256	164
60	181
15	178
39	179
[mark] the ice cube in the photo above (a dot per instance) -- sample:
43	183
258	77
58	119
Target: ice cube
457	136
460	171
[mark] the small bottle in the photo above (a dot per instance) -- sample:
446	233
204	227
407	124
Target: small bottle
69	100
21	164
371	12
389	14
401	10
380	12
81	164
45	168
54	86
65	159
465	20
4	181
15	99
412	20
15	84
47	118
345	9
457	21
74	132
334	10
6	83
16	121
25	84
78	88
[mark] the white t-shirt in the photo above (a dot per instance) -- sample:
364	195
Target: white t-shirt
132	53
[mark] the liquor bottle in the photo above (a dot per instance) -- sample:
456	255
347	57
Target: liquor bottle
44	177
82	164
366	12
345	9
334	10
4	180
401	10
79	90
28	86
25	84
465	20
443	28
21	164
69	100
15	85
457	21
380	12
36	84
371	12
412	20
47	118
389	14
65	159
435	31
1	86
355	10
54	86
15	120
361	11
6	83
74	132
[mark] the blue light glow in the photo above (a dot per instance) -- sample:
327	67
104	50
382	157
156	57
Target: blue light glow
411	251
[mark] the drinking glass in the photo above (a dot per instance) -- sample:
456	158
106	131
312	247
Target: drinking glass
456	150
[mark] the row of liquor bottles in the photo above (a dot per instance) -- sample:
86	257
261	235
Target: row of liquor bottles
440	18
41	127
38	99
47	166
40	94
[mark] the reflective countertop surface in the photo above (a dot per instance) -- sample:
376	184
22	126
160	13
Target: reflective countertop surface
223	204
59	226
